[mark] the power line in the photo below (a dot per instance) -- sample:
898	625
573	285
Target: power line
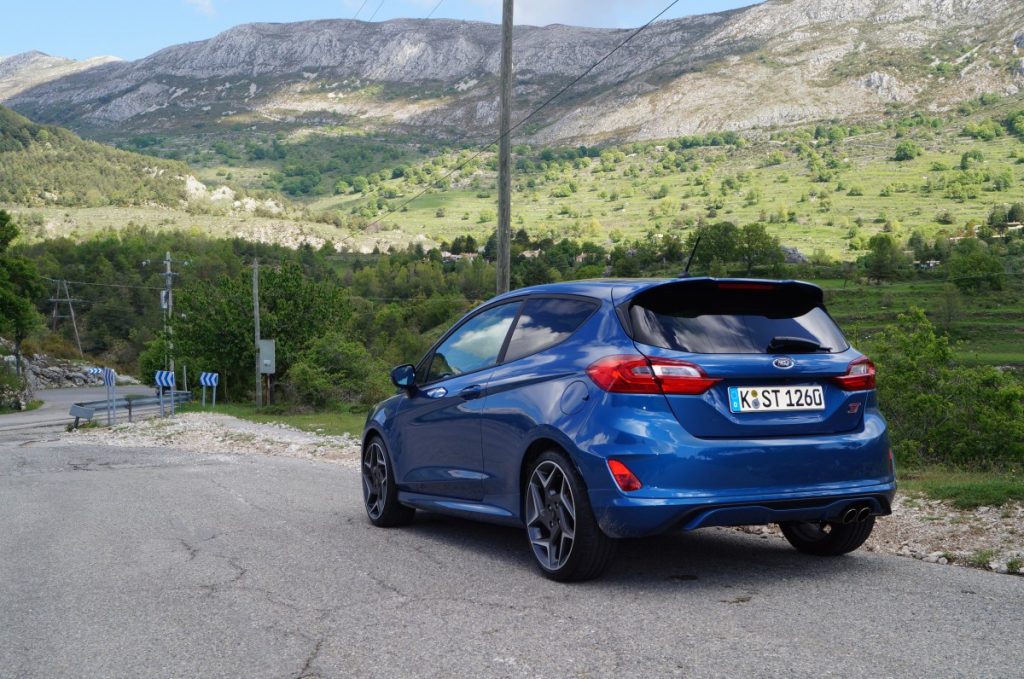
105	285
66	299
376	10
533	113
439	3
360	9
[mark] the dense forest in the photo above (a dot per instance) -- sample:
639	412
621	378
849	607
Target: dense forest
48	165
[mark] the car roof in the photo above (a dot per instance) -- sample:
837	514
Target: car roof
619	289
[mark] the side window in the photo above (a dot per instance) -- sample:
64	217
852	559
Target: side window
545	323
473	346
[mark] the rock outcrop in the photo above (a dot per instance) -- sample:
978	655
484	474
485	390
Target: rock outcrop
712	72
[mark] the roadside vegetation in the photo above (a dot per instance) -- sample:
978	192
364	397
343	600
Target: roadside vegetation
332	421
965	489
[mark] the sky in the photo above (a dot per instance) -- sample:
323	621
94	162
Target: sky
132	29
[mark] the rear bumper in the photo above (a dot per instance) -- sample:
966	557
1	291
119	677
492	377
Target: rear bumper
621	516
691	483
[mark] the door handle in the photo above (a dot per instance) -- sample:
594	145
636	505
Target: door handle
474	391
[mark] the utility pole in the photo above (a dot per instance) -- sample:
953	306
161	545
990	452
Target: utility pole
66	299
56	293
256	322
168	306
505	153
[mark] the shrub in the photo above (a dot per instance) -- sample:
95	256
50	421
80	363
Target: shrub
335	369
986	130
907	150
941	411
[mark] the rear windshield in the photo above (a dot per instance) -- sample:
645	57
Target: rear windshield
703	319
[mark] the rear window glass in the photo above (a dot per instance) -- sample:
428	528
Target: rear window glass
546	322
705	320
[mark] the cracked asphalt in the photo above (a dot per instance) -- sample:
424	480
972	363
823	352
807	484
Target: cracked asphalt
118	562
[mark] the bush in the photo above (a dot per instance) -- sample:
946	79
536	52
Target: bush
941	411
972	267
335	369
986	130
907	150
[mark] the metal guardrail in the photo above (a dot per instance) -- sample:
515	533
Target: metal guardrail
88	409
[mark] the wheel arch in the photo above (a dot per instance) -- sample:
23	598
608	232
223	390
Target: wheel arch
539	445
369	434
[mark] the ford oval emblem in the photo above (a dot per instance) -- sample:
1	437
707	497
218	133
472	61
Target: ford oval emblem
783	362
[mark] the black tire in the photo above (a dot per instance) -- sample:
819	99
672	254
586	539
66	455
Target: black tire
380	495
827	539
566	542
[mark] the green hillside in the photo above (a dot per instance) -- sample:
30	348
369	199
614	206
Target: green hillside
47	165
827	188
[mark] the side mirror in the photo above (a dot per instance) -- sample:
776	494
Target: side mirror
404	376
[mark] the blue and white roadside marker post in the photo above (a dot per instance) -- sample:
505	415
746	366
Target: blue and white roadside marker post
165	378
110	382
209	380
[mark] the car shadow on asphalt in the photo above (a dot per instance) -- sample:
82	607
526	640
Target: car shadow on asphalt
715	556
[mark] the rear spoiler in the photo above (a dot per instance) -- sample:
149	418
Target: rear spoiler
773	298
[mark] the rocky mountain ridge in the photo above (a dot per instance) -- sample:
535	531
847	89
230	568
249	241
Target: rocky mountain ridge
777	63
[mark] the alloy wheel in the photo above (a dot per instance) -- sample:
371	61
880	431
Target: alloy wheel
375	479
551	515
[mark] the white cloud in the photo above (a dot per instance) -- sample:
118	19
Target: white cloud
203	6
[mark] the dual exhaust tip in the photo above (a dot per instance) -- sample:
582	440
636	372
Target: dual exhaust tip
855	514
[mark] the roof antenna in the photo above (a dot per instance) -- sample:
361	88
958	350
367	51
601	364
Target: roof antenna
686	271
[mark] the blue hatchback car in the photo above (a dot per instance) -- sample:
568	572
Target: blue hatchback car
594	410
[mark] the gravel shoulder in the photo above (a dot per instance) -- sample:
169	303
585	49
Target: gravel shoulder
210	433
990	538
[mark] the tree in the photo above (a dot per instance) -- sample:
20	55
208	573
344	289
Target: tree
717	241
907	150
20	285
972	267
998	217
755	246
1016	213
885	259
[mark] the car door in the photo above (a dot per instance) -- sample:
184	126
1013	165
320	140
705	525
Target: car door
537	384
440	450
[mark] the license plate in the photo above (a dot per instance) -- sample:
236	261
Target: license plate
774	399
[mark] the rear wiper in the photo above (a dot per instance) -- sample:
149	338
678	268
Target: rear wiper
795	344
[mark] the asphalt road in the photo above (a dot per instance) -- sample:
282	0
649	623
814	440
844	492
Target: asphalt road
117	562
56	402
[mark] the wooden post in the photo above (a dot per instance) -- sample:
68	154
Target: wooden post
505	153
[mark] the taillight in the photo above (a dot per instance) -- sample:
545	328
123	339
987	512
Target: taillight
859	376
624	478
631	374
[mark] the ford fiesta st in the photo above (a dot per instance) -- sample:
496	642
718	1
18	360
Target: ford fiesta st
595	410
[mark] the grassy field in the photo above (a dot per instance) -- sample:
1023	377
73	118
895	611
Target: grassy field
328	422
965	490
